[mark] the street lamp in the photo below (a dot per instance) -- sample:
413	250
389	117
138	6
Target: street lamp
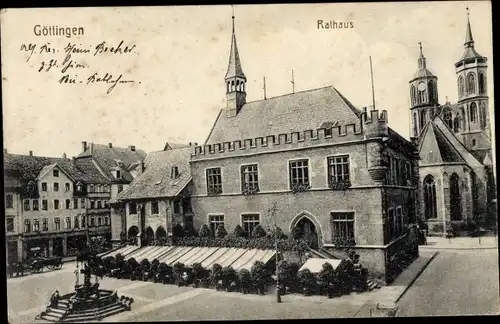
278	295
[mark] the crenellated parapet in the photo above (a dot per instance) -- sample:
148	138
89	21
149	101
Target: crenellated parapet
373	122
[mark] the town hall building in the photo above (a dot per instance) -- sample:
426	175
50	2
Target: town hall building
454	142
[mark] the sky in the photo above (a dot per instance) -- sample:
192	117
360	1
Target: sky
181	55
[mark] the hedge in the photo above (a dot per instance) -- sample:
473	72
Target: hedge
262	243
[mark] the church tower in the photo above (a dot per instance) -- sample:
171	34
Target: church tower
423	96
235	80
472	97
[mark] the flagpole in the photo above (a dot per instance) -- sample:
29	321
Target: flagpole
373	87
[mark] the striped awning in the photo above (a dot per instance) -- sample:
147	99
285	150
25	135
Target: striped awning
316	264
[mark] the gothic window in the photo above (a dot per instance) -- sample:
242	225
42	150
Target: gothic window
422	118
448	117
413	95
482	114
228	86
473	112
232	85
415	133
237	85
430	197
455	198
422	93
462	114
432	93
471	83
461	86
456	125
482	83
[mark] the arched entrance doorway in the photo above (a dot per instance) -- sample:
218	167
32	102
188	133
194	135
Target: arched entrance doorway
455	199
149	238
161	235
306	228
132	233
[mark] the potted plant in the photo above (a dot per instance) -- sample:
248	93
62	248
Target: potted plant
215	276
259	277
178	272
307	281
198	274
228	278
245	281
326	279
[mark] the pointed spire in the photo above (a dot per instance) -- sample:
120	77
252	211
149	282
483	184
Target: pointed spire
469	41
421	59
234	68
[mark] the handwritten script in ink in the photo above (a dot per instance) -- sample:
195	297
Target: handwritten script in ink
70	64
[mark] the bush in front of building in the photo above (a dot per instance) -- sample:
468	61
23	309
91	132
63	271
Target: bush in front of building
258	231
216	276
239	232
220	232
204	231
245	281
307	282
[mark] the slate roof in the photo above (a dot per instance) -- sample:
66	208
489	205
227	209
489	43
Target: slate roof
423	73
92	174
170	145
446	149
469	53
110	157
30	167
156	181
294	112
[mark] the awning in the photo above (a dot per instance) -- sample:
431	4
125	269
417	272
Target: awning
316	264
200	258
210	261
261	255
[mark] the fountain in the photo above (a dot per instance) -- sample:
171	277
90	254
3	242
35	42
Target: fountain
87	302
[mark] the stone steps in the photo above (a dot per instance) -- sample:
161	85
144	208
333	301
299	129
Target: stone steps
372	285
55	314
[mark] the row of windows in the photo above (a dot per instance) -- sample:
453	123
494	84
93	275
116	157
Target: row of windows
470	86
342	224
395	224
78	223
179	205
34	204
67	187
338	170
419	95
399	172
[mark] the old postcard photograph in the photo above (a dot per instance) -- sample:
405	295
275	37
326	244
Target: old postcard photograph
249	162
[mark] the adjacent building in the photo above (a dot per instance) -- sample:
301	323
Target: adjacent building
45	205
454	142
159	197
119	166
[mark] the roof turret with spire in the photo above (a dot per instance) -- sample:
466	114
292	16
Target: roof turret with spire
235	79
234	68
470	51
423	71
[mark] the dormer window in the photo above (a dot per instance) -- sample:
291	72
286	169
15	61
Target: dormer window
175	172
79	187
55	173
118	174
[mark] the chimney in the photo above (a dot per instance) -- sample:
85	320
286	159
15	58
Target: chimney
91	148
110	145
195	144
31	153
64	155
84	146
189	143
142	166
132	148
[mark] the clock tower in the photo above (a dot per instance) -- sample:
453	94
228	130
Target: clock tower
423	96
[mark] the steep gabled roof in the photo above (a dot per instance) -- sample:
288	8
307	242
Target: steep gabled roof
111	157
28	167
91	173
46	169
156	180
170	146
289	113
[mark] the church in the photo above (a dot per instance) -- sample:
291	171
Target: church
454	142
